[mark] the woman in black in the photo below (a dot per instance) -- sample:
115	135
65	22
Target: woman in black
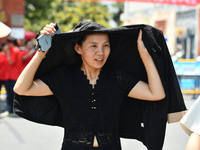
90	96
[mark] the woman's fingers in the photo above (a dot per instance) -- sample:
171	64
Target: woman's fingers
48	29
139	41
140	44
44	32
140	36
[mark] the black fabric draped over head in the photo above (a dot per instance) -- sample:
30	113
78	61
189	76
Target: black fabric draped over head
141	120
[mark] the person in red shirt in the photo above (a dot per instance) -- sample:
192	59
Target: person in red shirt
4	32
3	74
3	63
15	59
14	70
28	53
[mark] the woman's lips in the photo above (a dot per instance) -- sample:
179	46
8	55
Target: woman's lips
99	59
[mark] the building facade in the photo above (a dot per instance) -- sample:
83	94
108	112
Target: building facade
180	25
12	14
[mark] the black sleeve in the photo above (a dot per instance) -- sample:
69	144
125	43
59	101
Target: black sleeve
54	79
126	81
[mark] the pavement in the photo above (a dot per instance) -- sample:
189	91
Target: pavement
19	134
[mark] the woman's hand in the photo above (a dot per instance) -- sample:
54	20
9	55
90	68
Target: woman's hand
154	90
141	48
26	85
48	29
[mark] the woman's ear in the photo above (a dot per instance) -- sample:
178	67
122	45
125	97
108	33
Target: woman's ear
77	48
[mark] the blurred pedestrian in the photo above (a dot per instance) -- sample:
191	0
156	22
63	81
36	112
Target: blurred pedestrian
3	74
28	53
191	125
14	70
3	63
4	31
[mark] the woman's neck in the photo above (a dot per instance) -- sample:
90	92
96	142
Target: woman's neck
91	73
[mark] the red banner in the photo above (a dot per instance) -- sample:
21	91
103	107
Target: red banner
170	2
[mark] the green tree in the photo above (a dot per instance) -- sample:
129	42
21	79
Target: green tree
66	13
119	9
36	14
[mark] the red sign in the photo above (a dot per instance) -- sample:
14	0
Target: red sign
171	2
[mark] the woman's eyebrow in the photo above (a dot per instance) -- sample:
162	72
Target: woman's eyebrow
107	42
93	42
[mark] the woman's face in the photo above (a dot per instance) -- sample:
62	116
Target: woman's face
5	48
29	45
95	50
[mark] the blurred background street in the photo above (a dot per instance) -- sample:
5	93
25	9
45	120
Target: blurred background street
20	134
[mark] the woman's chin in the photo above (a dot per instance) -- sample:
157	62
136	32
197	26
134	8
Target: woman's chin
97	67
99	64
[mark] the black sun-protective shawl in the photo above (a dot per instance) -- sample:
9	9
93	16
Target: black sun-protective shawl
141	120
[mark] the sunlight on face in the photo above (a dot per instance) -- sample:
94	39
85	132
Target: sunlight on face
95	50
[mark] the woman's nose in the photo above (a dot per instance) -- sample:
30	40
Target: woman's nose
100	50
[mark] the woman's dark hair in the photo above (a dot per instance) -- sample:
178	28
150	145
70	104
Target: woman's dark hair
86	25
81	39
12	40
2	45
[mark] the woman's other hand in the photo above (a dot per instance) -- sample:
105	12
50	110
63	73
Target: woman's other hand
153	90
141	48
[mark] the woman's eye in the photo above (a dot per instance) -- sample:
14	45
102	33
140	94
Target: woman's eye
93	46
106	45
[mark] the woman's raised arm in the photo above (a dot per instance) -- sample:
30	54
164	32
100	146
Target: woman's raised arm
154	90
25	84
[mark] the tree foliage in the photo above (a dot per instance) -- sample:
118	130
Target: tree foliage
119	10
73	12
36	14
66	13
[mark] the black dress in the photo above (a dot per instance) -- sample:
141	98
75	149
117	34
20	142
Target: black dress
88	111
